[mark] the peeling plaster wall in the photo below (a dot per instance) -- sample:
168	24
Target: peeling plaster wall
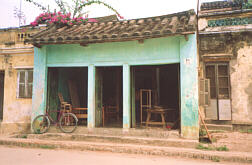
239	46
241	83
16	111
15	54
230	43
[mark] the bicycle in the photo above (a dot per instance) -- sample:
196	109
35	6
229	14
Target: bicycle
67	122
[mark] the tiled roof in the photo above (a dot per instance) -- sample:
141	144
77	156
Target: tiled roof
136	29
234	5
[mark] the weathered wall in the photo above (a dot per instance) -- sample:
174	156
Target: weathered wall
239	48
189	88
14	54
241	85
224	22
16	111
225	36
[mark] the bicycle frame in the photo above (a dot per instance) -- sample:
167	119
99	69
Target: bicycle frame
58	115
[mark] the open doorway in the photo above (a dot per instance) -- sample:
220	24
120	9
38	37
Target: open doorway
109	96
1	94
155	92
72	84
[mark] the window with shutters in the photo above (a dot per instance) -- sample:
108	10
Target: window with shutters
25	79
204	96
218	73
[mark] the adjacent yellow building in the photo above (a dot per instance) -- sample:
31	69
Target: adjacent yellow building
16	76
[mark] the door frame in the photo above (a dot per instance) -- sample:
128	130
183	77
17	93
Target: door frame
216	65
2	93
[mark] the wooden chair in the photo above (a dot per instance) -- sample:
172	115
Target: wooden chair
80	113
64	106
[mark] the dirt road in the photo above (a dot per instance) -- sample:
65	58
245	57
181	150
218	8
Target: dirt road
26	156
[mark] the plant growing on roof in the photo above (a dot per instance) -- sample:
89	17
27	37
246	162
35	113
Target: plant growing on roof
68	14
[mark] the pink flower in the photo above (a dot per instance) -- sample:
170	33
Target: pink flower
121	17
34	23
92	20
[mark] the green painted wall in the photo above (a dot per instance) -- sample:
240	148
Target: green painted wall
39	90
189	88
152	51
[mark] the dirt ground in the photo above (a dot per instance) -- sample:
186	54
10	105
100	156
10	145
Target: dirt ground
235	141
26	156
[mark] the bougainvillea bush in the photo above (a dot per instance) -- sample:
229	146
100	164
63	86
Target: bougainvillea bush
67	15
60	18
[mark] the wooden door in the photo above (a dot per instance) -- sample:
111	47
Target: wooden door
223	90
1	93
98	97
220	105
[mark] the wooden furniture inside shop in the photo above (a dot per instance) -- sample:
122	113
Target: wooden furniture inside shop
145	102
80	112
148	105
64	106
160	111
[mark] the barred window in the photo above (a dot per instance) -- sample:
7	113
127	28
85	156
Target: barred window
25	79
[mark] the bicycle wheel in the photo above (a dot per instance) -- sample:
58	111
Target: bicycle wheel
41	124
68	122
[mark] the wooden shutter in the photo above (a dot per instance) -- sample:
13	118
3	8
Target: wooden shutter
21	84
29	85
204	92
25	80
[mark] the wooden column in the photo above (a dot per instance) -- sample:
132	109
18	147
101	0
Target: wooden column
91	96
126	97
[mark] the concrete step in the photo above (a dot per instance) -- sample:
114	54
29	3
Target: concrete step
169	142
219	122
241	157
135	132
218	127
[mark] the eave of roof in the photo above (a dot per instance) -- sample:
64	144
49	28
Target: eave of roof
116	31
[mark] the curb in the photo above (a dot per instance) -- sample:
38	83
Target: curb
116	139
131	149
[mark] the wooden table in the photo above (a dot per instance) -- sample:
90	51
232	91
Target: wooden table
160	111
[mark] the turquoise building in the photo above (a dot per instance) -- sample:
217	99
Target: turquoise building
112	62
